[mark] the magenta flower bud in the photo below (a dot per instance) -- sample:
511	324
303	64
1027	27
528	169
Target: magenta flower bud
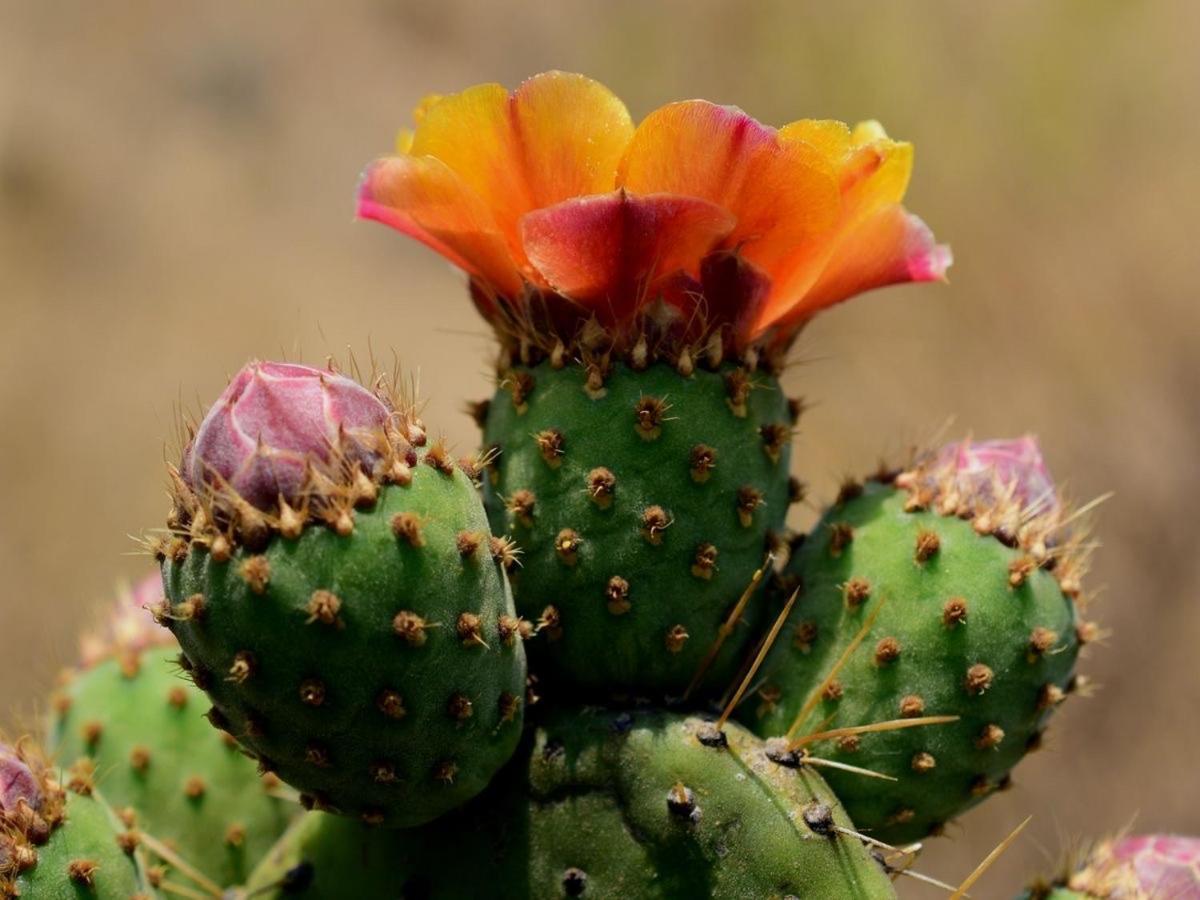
981	468
1165	865
272	421
17	782
129	626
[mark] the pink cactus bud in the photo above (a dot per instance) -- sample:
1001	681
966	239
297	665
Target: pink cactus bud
275	418
981	468
1165	865
129	625
17	782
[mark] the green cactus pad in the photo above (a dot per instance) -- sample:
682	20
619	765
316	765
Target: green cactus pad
603	805
72	846
143	727
642	506
968	627
375	664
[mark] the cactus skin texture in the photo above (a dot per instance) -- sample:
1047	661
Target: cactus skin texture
1137	867
62	843
142	727
642	507
972	625
369	673
598	805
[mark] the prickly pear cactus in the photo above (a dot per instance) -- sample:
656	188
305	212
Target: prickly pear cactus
62	842
141	725
604	805
356	633
961	580
642	503
1136	867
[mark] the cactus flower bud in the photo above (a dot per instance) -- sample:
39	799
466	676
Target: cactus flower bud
17	782
128	626
272	421
983	468
1168	865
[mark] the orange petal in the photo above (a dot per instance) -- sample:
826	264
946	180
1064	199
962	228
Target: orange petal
558	136
873	173
784	193
891	247
606	251
422	198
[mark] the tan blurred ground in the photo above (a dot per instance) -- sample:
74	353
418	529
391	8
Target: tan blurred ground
175	196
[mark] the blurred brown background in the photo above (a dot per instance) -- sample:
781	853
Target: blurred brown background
176	189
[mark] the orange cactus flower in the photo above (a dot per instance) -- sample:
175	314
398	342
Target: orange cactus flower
698	222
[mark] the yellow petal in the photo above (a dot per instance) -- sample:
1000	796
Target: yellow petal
558	136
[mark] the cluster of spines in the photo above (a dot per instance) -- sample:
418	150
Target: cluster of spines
1042	528
658	335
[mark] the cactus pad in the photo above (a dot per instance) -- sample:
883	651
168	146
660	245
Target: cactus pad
971	614
642	503
141	724
357	636
62	842
605	805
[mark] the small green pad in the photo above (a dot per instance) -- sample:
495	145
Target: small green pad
954	636
642	508
143	727
380	672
